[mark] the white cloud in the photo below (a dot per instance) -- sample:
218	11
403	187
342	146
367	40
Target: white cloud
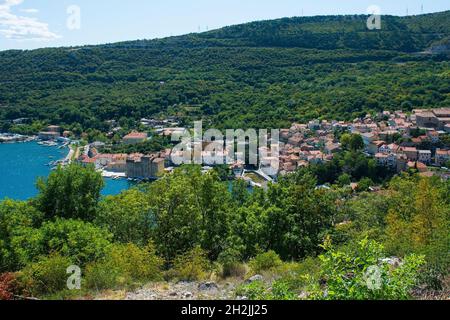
31	10
16	27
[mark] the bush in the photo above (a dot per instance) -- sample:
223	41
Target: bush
253	291
17	241
191	266
231	265
8	286
233	269
265	262
281	290
81	241
257	290
100	276
123	266
362	273
297	274
47	276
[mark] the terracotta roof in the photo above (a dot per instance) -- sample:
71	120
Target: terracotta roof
136	135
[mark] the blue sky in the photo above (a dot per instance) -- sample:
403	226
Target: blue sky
28	24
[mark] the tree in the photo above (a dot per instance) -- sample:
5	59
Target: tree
127	216
189	208
17	223
70	192
81	241
364	184
215	202
418	222
192	265
447	164
290	218
344	180
352	142
46	276
177	218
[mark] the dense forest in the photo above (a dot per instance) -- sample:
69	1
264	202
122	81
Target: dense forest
261	74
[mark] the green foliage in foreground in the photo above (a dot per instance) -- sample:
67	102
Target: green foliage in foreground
191	266
265	261
46	276
124	265
70	192
362	274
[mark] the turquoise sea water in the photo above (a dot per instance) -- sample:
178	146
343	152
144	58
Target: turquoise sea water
22	163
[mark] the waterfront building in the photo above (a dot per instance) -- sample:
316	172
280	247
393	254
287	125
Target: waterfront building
140	166
54	129
48	135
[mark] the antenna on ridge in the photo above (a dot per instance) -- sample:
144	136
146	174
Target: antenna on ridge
407	11
421	9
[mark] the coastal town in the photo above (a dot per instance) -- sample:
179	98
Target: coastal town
397	140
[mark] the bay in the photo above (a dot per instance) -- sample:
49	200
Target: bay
21	164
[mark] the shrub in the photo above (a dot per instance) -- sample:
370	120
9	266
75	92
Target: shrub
124	265
81	241
257	290
253	291
296	274
281	290
362	273
191	266
233	269
17	236
231	265
265	262
102	275
47	276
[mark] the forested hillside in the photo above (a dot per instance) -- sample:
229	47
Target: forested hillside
261	74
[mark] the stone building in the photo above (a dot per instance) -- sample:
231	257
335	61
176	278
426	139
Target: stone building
144	166
433	118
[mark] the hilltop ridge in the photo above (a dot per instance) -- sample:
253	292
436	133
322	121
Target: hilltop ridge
258	74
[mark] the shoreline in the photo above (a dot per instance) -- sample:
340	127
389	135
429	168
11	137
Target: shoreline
8	138
19	183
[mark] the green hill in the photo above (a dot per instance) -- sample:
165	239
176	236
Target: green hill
259	74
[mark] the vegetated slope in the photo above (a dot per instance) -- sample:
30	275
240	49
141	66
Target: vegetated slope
260	74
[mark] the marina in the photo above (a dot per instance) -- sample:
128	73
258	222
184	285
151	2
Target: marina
15	138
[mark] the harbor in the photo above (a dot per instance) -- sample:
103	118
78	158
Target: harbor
15	138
